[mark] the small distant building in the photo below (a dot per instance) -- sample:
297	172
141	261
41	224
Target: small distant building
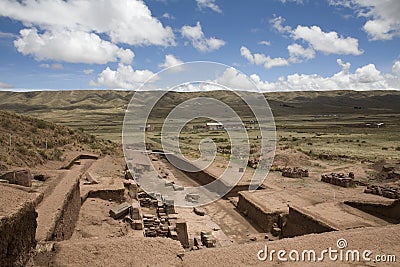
147	128
234	126
374	125
214	126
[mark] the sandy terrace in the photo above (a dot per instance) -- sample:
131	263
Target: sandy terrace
13	197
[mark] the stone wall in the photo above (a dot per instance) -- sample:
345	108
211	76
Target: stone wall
19	177
116	194
65	224
296	172
263	219
17	235
339	179
300	223
204	178
384	190
390	212
74	161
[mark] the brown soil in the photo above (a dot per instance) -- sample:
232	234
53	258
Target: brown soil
94	221
384	240
101	240
118	251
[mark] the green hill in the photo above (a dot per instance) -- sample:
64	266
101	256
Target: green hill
27	141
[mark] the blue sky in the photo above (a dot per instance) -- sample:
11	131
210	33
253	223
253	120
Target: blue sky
282	45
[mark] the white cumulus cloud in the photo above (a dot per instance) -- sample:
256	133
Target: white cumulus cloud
297	52
396	68
383	20
203	4
170	61
91	30
124	77
327	42
235	80
277	23
363	78
70	46
199	41
263	60
367	74
124	21
314	37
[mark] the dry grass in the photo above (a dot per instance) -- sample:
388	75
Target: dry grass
27	141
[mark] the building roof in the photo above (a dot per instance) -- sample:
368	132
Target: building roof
214	124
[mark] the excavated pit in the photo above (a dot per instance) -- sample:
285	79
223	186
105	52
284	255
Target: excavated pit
387	212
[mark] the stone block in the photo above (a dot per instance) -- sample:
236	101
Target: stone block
120	211
19	177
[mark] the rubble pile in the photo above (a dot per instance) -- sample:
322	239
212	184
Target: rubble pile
390	171
253	163
385	191
339	179
296	172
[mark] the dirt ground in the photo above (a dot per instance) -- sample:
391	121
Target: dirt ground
96	231
222	215
94	221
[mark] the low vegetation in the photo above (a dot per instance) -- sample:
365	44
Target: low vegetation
28	141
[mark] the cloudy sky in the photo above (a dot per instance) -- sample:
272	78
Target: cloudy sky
282	45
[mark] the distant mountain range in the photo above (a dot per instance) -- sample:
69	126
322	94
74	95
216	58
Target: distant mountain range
281	103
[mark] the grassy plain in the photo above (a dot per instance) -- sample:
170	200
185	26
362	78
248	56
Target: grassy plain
334	123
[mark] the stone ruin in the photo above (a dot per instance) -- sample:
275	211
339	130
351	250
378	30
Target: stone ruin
130	212
163	223
390	171
296	172
385	191
207	239
18	177
339	179
192	197
253	163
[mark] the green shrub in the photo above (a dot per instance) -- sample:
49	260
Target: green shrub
41	124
